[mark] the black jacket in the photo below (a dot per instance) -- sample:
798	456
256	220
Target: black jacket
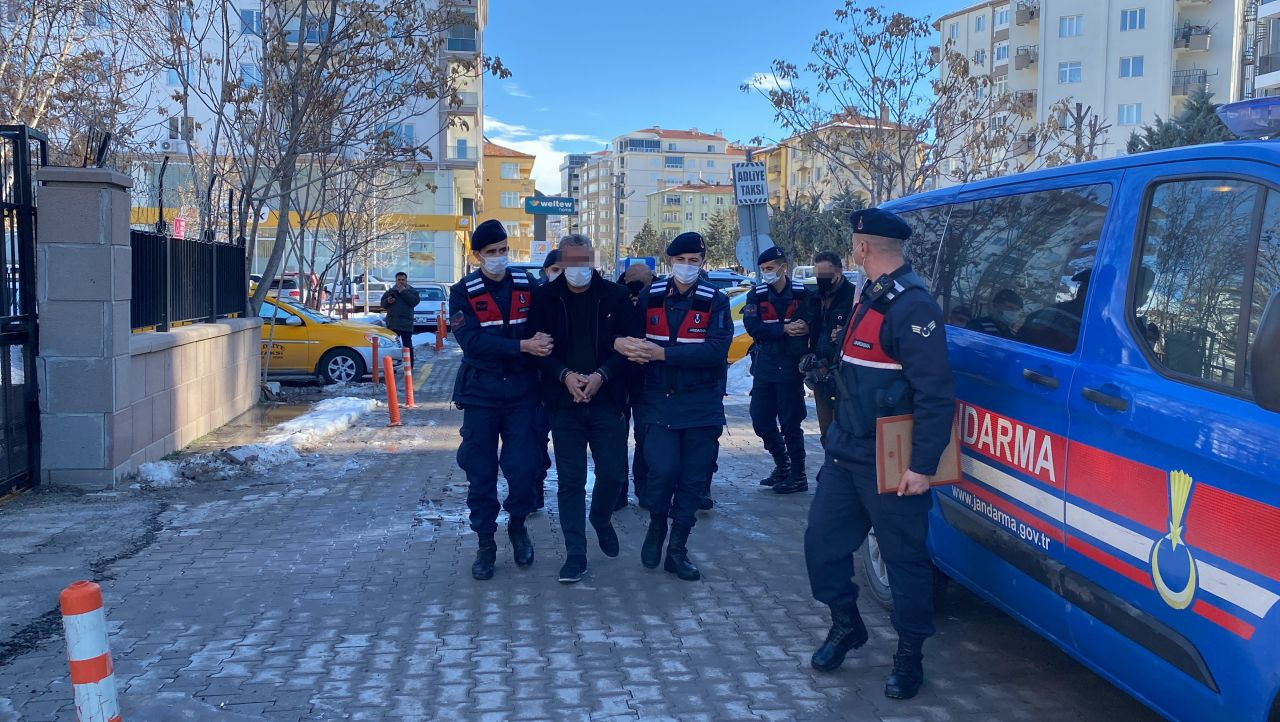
400	312
615	317
828	316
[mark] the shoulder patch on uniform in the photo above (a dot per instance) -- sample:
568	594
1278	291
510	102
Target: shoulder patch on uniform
457	319
926	329
749	309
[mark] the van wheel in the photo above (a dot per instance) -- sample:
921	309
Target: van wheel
874	572
340	366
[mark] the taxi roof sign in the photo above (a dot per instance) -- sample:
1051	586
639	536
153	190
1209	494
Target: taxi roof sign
1256	119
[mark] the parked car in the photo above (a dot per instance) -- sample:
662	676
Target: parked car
725	280
281	287
376	289
431	297
802	273
299	341
741	344
1118	411
854	277
534	269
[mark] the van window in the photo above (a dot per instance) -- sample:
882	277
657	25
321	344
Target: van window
927	227
1018	266
1188	295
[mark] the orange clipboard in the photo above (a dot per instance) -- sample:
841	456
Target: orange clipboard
893	454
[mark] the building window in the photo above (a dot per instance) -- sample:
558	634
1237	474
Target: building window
671	146
1069	72
1000	86
96	14
1071	26
980	23
183	128
250	75
711	149
1135	19
1129	114
1002	18
400	135
510	199
980	57
638	145
1001	53
953	31
513	228
510	171
1131	67
711	164
688	216
462	37
674	161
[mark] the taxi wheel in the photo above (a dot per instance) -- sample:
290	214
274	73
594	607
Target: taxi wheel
875	572
339	366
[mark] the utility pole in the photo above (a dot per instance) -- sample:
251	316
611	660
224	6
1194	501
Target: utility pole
619	215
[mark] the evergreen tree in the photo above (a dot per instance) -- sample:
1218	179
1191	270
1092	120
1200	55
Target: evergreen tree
648	242
722	236
1197	123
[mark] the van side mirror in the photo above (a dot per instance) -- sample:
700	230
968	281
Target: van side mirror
1264	357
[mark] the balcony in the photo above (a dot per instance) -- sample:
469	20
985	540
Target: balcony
461	156
470	103
1027	13
1026	56
1024	102
1186	81
462	44
1023	144
1192	38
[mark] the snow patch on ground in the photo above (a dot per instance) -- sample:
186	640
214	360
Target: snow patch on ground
280	445
740	378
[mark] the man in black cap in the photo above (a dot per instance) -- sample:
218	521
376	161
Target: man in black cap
893	361
685	350
497	390
777	315
831	306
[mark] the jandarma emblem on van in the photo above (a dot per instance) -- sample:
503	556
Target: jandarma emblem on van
925	330
1178	567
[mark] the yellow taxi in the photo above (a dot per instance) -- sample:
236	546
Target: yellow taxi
299	341
741	339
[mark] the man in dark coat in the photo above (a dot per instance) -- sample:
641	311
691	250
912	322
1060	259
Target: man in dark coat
399	302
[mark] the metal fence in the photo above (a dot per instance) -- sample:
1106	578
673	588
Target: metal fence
178	280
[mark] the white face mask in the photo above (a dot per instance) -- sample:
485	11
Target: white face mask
578	276
494	265
685	272
769	277
552	275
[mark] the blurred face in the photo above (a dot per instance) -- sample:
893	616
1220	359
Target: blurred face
825	269
576	257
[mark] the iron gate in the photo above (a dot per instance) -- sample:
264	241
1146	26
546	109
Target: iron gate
22	150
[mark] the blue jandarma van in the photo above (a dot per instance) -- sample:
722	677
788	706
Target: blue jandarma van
1114	328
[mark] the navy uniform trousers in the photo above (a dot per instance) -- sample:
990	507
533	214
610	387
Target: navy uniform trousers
681	463
521	460
779	403
845	507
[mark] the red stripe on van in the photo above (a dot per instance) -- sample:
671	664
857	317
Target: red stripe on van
1223	619
1115	564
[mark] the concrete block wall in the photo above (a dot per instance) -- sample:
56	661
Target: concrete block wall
110	399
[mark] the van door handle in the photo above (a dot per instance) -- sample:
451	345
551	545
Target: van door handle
1115	403
1036	377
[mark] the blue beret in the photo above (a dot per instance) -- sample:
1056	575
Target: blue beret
687	242
487	234
875	222
552	259
771	254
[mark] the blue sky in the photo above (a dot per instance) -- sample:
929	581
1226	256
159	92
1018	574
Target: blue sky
585	71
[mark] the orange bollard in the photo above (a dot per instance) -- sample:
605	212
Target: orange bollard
89	653
408	379
374	371
393	403
441	331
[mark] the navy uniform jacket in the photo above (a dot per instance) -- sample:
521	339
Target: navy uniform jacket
685	391
893	360
775	356
489	320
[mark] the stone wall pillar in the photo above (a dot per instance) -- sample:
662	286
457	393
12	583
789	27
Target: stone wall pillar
83	289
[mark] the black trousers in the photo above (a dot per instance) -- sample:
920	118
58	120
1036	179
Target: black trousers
602	427
542	427
681	463
845	507
406	341
777	410
520	458
824	400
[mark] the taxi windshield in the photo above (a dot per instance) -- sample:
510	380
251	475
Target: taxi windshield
305	312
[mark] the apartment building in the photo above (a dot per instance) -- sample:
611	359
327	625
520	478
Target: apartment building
688	207
1262	51
1130	61
508	180
645	161
431	219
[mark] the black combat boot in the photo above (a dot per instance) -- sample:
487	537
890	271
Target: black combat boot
521	544
908	669
651	552
706	503
847	633
486	556
781	469
797	480
678	555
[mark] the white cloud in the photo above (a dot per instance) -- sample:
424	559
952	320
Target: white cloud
547	149
767	82
514	90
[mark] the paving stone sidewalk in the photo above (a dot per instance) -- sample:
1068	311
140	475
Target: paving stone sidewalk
338	587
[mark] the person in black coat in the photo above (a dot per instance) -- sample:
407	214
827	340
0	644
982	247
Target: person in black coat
584	388
831	306
399	302
636	278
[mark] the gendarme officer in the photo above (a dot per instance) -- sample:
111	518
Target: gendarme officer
777	315
893	360
497	390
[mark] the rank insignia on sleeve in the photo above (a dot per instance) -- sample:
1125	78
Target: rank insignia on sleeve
925	330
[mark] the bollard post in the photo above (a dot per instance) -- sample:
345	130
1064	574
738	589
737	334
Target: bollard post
89	653
374	371
441	330
408	379
393	404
